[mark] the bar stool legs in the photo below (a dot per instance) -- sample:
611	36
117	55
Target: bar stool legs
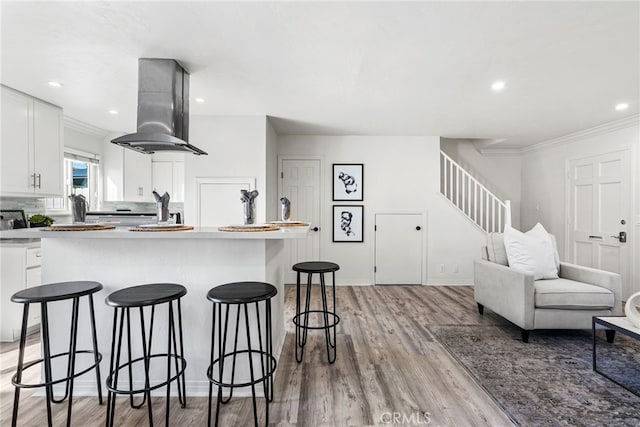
329	317
241	295
123	302
43	295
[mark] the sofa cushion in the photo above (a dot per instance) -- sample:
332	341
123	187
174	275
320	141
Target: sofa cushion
570	295
496	251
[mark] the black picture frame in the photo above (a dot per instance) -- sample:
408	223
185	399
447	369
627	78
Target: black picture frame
348	223
348	182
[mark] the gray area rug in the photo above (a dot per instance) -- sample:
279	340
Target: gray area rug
550	381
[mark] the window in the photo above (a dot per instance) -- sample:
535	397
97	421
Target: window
81	176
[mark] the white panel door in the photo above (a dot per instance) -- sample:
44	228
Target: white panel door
398	249
218	200
300	183
599	210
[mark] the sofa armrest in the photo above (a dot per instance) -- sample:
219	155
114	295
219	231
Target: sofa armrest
505	291
593	276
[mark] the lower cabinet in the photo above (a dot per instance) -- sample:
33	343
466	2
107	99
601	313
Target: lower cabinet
19	269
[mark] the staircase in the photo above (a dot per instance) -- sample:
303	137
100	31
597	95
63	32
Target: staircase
473	199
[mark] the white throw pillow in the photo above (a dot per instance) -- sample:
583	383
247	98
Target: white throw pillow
540	232
531	252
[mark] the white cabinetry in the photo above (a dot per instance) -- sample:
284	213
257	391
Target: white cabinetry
137	177
20	264
32	146
167	174
127	175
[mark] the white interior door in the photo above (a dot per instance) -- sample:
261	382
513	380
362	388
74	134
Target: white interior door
398	249
300	183
599	203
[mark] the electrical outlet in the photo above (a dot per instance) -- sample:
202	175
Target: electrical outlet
456	269
441	268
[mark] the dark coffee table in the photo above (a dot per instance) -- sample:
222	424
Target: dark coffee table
619	324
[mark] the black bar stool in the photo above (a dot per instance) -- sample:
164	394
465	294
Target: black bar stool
47	294
301	319
140	297
240	294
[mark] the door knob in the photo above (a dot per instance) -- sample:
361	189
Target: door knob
315	229
418	228
622	236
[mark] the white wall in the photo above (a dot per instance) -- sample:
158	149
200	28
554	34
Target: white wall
272	199
400	173
544	184
237	148
82	141
501	174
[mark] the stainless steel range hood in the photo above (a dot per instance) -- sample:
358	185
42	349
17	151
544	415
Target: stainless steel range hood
163	109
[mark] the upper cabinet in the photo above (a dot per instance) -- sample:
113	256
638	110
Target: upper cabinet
127	175
32	146
167	174
131	176
137	177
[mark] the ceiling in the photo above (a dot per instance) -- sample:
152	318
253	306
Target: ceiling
356	68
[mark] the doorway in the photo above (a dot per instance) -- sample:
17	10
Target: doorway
599	213
300	181
399	243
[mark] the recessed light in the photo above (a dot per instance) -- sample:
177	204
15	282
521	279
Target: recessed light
200	100
497	86
55	84
114	112
622	106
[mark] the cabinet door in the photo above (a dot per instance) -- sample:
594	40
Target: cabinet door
178	182
34	278
162	178
17	132
48	146
137	177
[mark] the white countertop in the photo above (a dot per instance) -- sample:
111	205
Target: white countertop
124	233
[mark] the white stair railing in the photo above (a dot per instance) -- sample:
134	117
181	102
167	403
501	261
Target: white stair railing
473	199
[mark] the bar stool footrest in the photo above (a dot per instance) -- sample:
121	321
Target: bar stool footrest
270	371
112	389
300	324
57	381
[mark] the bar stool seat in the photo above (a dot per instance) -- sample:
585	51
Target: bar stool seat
139	297
241	294
44	295
329	315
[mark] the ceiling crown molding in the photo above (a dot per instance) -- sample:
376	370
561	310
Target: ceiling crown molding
83	127
594	131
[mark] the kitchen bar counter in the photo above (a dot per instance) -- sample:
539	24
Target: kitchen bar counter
198	259
125	233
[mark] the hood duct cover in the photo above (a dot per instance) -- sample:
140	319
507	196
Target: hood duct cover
163	109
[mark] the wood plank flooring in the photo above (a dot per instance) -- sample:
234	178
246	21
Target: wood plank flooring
388	368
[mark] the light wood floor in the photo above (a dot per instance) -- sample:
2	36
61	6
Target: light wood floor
388	365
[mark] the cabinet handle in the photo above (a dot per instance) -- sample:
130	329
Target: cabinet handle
33	175
39	181
38	255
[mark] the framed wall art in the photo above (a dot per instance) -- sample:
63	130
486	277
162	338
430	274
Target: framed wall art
348	223
348	184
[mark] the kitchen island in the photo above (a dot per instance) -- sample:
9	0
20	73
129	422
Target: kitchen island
199	259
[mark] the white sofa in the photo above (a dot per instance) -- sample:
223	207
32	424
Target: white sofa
568	302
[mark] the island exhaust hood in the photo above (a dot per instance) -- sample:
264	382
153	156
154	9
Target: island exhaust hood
163	109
